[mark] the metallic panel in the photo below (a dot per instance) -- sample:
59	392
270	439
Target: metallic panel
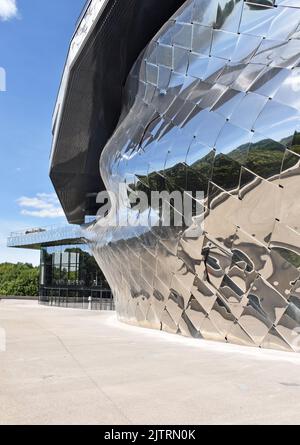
212	105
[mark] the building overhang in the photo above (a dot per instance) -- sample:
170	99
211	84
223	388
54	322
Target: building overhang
110	36
35	239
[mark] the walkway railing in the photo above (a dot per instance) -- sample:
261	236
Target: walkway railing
40	235
101	300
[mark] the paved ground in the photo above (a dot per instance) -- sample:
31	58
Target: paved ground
79	367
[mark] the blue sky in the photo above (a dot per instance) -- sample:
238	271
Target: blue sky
34	40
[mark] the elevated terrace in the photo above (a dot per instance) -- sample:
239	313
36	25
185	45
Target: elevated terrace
35	238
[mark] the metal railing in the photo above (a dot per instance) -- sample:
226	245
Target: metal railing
37	230
101	300
45	235
33	230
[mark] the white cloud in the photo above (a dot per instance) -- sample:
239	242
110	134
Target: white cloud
8	9
43	205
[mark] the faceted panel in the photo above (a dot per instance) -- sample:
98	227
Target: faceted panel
211	109
222	317
195	313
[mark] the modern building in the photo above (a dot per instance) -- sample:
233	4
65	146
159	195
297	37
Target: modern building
69	274
188	96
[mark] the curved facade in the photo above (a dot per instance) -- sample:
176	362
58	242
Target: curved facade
108	40
212	105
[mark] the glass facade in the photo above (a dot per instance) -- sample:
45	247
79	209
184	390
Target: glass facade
71	265
70	276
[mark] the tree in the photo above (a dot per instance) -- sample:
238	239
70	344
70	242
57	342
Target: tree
19	279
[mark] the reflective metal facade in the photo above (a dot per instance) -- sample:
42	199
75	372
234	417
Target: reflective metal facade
212	104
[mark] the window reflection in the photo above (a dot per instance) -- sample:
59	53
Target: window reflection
70	266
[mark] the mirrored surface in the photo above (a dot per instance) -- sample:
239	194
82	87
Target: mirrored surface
220	114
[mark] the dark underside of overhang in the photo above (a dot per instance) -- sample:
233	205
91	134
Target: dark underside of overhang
94	98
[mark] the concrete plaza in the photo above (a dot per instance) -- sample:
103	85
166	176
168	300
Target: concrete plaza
66	366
